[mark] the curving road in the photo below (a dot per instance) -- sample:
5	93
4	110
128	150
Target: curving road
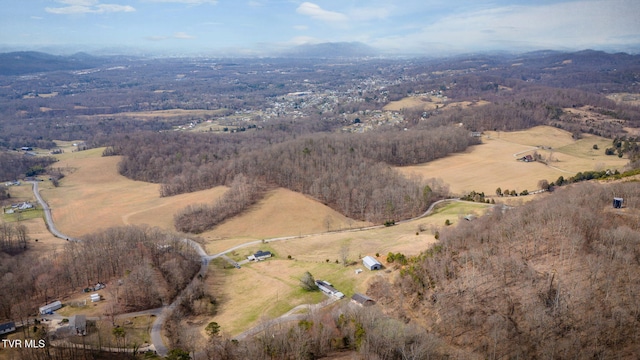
163	312
47	214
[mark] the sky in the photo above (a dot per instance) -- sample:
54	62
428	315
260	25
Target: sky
260	27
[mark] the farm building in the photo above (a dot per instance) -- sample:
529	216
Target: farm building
260	255
50	308
617	202
362	300
95	297
7	327
328	289
371	263
78	325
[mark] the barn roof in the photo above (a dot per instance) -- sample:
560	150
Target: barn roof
362	299
370	261
7	326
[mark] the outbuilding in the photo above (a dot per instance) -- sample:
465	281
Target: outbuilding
260	255
7	327
50	308
617	202
362	300
371	263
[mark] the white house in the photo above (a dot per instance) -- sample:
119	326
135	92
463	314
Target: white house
328	289
50	308
371	263
260	255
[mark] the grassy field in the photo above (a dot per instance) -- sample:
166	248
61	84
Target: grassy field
493	164
278	277
427	103
93	195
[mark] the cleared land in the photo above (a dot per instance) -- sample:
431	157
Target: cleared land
278	278
492	164
427	103
93	195
281	213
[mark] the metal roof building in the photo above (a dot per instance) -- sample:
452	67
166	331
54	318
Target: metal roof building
371	263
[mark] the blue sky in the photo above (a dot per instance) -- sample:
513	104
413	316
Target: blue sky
260	26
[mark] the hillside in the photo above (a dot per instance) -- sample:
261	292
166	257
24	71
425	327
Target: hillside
541	280
27	62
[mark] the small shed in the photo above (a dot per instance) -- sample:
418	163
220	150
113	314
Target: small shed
617	202
371	263
7	327
95	297
362	300
50	308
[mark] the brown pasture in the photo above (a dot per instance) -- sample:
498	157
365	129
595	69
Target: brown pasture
281	213
493	164
93	196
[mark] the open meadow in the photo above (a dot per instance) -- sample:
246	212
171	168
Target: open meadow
93	196
493	164
278	278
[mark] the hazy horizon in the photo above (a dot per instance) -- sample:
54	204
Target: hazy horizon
267	27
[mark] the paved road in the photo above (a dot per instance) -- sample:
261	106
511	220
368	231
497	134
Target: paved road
47	214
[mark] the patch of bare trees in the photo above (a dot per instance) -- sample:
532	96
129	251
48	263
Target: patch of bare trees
147	266
13	238
243	193
553	278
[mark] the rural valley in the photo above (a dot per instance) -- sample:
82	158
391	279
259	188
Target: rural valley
478	206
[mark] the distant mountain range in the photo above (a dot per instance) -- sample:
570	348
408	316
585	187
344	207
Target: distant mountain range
331	50
28	62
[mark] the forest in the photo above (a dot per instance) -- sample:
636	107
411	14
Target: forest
152	265
532	281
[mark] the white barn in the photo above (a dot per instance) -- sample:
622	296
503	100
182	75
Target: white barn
49	308
371	263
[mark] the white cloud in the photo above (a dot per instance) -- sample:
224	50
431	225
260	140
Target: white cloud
570	25
254	3
301	27
182	36
87	7
318	13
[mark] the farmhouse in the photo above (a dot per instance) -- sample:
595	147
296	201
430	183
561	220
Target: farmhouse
328	289
371	263
362	300
50	308
260	255
7	327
